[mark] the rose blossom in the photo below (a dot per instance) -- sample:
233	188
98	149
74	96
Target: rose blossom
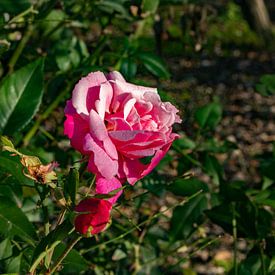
117	124
95	217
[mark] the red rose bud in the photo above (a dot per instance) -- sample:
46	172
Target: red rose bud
93	217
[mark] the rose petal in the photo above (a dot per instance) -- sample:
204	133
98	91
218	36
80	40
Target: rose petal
81	90
104	186
96	217
99	131
99	161
75	127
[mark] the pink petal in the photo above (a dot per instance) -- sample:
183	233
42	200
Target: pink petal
75	127
105	97
99	161
104	186
132	169
115	76
99	131
81	89
135	170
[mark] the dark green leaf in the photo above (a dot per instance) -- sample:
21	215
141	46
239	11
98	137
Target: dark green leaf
267	168
115	7
252	265
128	68
266	86
13	266
12	166
233	191
246	218
14	6
209	115
10	188
187	187
14	221
154	65
48	244
20	97
74	263
5	249
71	185
184	143
213	168
186	218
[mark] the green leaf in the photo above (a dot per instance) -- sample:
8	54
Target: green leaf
186	218
14	264
6	142
48	244
267	168
209	115
251	222
14	221
252	265
20	97
187	187
233	191
149	6
184	143
12	166
71	186
154	65
213	168
14	6
266	86
114	7
118	255
74	263
5	249
128	68
10	188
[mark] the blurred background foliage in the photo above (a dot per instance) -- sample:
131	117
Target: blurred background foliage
215	61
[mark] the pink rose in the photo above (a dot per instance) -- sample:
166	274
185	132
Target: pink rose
95	217
117	124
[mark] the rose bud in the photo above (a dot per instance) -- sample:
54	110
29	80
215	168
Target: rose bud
93	216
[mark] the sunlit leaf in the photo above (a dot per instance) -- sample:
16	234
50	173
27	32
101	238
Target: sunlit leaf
20	97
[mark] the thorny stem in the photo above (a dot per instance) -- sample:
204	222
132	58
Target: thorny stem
64	254
84	251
